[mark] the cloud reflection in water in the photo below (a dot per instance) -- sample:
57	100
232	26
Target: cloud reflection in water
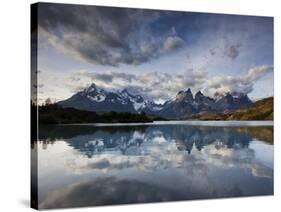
137	164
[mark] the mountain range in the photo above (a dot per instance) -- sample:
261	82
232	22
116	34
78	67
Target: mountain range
185	103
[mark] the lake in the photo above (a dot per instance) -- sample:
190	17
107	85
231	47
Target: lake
105	164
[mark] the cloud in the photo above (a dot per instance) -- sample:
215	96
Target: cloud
105	35
106	77
238	84
109	190
173	42
215	151
232	51
161	86
152	85
224	84
255	73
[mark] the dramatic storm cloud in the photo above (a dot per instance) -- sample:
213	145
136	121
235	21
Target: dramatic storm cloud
152	53
107	36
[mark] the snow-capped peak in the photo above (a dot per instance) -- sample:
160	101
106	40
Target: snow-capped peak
124	93
94	93
98	95
91	88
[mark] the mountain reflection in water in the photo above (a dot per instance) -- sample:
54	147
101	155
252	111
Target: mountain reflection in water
135	164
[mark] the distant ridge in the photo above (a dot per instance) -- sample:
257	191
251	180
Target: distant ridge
260	110
97	99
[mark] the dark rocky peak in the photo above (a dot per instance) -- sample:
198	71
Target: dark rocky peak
185	96
189	94
188	90
199	93
135	98
244	99
180	93
91	88
199	96
125	91
229	97
218	95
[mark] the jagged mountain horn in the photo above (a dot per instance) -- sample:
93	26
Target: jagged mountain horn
96	99
185	95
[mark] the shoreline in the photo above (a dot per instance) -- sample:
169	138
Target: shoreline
213	123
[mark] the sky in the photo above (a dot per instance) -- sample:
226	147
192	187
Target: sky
152	52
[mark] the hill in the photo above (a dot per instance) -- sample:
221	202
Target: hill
260	110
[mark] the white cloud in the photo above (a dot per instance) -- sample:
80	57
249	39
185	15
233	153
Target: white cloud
173	42
255	73
154	85
238	84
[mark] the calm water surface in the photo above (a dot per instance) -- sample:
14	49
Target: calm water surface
88	165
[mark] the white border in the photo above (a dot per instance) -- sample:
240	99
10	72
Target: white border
15	80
